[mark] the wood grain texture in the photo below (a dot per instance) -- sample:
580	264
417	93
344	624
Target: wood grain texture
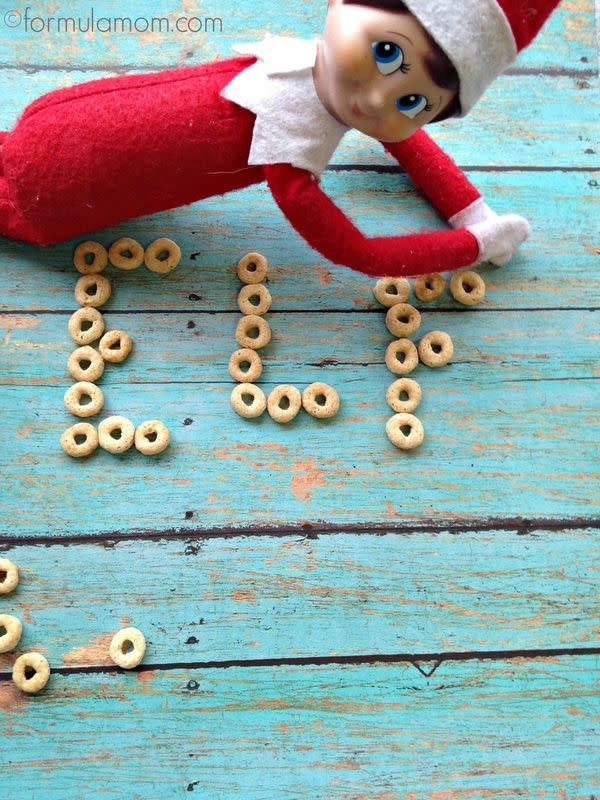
555	268
280	597
251	545
476	730
567	43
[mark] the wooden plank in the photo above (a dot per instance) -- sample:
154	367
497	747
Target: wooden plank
492	346
556	267
552	133
472	731
567	42
268	597
518	449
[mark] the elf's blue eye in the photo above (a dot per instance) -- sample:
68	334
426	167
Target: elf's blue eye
411	104
388	56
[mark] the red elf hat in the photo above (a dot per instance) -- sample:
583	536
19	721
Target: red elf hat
481	37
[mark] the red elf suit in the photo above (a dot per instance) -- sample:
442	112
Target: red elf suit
95	154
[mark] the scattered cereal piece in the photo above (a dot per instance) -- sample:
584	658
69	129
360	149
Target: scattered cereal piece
401	356
152	437
80	440
244	392
284	403
245	365
405	431
253	331
467	287
162	256
127	648
254	292
85	364
429	287
116	434
390	291
31	672
402	319
115	346
436	349
403	395
90	258
86	325
252	268
12	632
92	290
320	400
75	394
126	253
9	576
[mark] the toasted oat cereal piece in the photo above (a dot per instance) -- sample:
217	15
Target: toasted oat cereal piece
320	400
467	287
284	403
402	320
390	291
90	258
401	356
86	325
248	400
126	253
75	394
403	395
9	576
152	437
12	632
405	431
31	672
252	268
253	331
429	287
85	364
80	440
115	346
127	648
245	365
116	434
254	299
436	349
92	290
162	256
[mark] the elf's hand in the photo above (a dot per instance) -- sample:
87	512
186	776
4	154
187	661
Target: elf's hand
498	236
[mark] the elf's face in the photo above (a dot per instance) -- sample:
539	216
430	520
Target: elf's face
370	72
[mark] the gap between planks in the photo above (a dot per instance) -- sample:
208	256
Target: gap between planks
308	530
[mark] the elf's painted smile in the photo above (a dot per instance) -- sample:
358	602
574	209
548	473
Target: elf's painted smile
370	72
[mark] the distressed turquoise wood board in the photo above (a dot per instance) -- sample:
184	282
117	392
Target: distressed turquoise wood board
490	451
555	268
547	131
276	597
195	348
474	729
566	44
326	617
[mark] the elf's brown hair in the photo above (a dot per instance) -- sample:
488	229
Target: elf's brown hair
437	63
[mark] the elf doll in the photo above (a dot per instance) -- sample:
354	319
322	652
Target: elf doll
95	154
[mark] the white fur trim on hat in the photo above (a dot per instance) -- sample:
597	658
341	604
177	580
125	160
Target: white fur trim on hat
475	35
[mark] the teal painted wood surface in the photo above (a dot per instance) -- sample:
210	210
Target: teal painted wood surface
555	268
474	729
273	597
472	561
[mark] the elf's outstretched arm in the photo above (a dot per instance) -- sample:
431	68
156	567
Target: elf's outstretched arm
449	190
326	228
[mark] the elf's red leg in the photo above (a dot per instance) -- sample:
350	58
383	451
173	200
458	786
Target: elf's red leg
3	137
